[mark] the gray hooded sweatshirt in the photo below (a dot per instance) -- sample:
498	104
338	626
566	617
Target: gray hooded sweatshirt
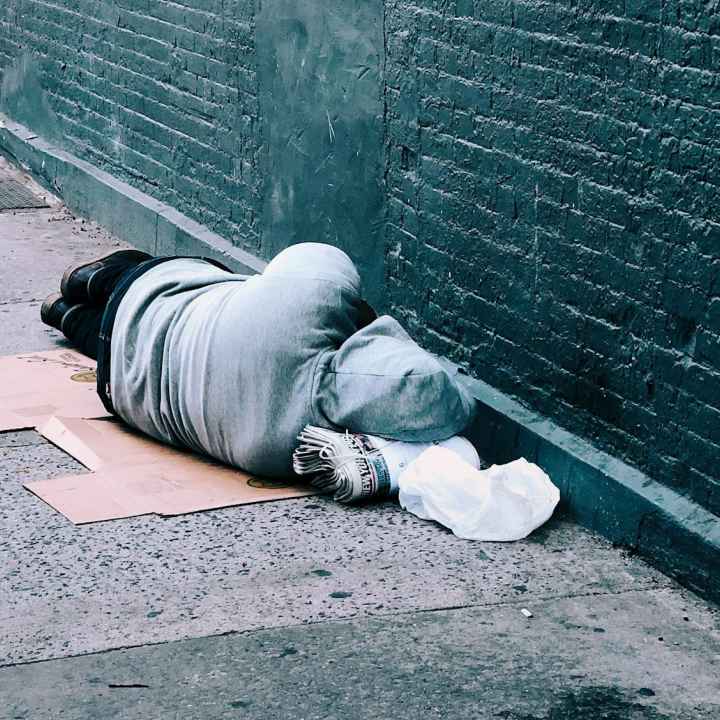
235	366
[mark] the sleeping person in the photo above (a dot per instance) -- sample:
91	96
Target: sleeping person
235	366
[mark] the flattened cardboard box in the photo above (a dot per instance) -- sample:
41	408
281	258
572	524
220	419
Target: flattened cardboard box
132	474
35	386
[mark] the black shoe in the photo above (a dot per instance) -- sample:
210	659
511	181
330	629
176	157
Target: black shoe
92	282
79	323
54	309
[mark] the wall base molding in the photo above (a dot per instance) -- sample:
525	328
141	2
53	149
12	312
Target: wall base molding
126	212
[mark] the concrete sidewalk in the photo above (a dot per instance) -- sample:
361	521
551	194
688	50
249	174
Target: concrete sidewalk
307	609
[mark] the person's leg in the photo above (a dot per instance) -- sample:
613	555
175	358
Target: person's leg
85	290
81	326
79	323
93	281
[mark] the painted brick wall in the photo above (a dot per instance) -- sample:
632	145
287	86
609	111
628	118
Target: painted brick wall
550	177
554	212
161	94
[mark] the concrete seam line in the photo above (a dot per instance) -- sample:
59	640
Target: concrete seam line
519	602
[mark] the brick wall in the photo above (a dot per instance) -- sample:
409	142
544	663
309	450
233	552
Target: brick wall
550	177
161	94
554	212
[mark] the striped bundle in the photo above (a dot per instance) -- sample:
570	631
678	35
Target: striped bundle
350	466
353	466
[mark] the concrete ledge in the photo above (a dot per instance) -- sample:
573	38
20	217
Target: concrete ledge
126	212
600	492
670	531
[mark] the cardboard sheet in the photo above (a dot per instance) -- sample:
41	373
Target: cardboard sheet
107	442
134	475
160	489
35	386
131	474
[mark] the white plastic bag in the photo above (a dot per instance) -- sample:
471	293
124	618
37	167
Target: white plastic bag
502	503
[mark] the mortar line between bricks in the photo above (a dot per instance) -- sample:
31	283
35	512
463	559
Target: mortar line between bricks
549	38
652	587
208	80
142	16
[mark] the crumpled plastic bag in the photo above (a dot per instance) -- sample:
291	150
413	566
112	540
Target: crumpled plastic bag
503	503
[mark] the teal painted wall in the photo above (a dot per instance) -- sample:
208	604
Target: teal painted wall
161	94
321	103
261	120
554	212
531	187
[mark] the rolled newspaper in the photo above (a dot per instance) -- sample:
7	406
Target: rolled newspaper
354	466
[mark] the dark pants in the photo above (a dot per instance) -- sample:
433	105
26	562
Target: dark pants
90	328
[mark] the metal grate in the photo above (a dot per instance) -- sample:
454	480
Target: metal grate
15	196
